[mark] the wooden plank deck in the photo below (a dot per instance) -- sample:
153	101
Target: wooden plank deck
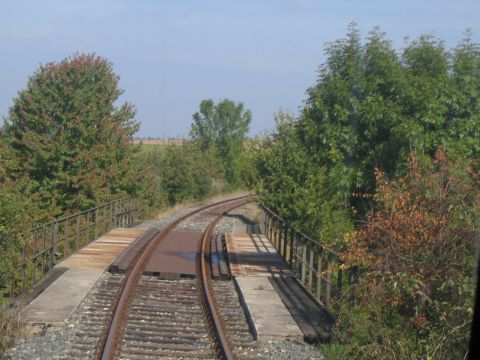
99	254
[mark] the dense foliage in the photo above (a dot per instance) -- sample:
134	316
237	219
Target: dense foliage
182	172
370	108
417	253
382	166
220	129
67	137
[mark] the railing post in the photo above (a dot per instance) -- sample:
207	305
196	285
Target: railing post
285	241
123	213
292	238
131	212
87	227
104	229
65	239
115	217
265	222
53	247
24	267
329	281
272	227
44	247
34	256
280	232
319	274
304	260
95	232
310	270
111	216
77	235
273	236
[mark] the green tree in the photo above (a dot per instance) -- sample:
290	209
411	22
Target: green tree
221	128
464	115
297	188
370	108
347	122
66	135
427	94
17	213
186	173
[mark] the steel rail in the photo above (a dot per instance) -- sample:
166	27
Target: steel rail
216	323
112	334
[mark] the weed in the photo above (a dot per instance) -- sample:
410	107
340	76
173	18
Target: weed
11	326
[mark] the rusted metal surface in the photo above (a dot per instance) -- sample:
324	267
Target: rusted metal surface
217	258
122	262
112	336
175	254
216	322
254	255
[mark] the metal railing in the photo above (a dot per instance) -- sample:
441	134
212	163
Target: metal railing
47	244
319	270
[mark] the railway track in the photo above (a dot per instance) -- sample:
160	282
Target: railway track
150	316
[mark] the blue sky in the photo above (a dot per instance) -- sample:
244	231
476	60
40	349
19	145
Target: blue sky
172	54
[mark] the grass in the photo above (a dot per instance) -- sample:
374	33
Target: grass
334	351
11	327
148	148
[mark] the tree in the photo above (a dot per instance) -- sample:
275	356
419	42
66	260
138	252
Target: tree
222	129
187	173
65	133
370	109
295	187
347	122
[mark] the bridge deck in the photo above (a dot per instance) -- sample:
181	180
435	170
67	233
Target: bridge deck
100	253
76	276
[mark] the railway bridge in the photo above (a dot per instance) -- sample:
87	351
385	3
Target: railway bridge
226	280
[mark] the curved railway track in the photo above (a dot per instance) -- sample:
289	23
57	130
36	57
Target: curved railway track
180	317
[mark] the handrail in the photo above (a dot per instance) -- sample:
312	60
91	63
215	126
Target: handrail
66	217
314	242
318	269
46	244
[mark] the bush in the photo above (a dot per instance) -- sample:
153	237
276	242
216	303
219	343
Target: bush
416	253
187	173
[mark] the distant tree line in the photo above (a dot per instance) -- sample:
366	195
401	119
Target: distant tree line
382	165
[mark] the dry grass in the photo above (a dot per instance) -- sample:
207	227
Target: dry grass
11	328
189	204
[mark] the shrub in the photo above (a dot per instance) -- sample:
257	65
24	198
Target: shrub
416	252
